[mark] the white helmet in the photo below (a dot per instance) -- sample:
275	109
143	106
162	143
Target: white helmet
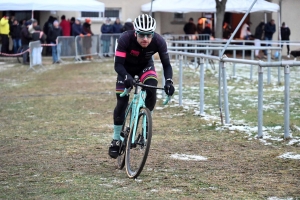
144	23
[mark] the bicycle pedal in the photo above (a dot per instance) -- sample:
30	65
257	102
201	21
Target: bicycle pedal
122	134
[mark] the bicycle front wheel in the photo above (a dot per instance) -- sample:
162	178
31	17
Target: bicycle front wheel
138	144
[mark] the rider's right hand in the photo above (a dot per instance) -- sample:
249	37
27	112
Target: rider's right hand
128	82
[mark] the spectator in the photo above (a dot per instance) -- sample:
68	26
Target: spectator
52	35
87	40
200	25
25	39
72	21
47	26
33	25
245	31
38	35
207	29
106	30
77	28
128	25
15	32
270	29
4	32
65	26
190	27
285	37
226	31
259	31
117	26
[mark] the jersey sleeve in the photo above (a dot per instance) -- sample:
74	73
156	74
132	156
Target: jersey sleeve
120	54
164	57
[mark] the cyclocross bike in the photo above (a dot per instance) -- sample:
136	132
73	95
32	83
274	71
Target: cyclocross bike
136	131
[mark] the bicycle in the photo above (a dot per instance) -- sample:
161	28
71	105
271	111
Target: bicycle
136	131
19	57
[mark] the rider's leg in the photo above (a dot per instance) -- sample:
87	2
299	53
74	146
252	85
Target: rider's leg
119	115
149	77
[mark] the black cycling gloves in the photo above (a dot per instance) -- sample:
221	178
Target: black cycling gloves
128	82
169	88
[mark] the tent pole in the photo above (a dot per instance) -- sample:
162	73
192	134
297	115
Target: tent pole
265	18
150	13
236	29
215	21
32	15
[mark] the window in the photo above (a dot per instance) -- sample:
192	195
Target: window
92	14
112	13
178	17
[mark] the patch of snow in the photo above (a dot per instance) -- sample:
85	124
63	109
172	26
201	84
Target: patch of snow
277	198
290	155
188	157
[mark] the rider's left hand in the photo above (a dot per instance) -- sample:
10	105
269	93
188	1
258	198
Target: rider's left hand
169	88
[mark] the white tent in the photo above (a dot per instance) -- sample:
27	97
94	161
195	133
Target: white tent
55	5
186	6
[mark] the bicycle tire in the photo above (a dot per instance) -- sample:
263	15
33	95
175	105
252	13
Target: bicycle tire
140	146
125	132
20	50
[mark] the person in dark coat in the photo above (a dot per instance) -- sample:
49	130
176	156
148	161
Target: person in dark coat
87	40
77	30
72	21
52	35
25	39
47	26
226	30
128	25
117	27
190	27
285	37
38	35
106	30
15	32
270	29
259	31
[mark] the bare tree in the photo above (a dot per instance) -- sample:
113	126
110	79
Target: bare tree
220	9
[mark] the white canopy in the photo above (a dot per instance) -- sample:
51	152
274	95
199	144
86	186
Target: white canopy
55	5
185	6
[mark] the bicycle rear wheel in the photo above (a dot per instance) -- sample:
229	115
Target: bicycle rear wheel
138	144
19	57
125	132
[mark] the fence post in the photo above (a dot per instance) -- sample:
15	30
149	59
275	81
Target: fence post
176	56
260	102
195	58
163	82
180	79
225	93
206	60
269	68
201	86
287	101
251	67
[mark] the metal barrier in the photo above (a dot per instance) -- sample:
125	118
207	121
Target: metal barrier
67	44
86	46
185	37
35	54
222	82
107	44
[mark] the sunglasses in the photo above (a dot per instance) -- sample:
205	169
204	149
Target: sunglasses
145	35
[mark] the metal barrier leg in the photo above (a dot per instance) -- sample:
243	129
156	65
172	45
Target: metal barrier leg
287	102
220	90
233	68
195	58
201	86
279	69
260	102
225	93
163	82
269	68
251	67
206	60
244	50
180	79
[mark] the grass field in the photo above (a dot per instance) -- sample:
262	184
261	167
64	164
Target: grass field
56	125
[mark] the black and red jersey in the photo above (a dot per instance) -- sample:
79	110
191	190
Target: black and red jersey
132	58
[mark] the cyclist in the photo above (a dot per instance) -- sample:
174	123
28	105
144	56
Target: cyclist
133	56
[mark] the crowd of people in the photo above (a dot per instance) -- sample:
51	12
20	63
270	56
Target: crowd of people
15	34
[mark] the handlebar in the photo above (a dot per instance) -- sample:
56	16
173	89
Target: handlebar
127	91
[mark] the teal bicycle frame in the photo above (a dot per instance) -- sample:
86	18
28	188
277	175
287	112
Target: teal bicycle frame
138	102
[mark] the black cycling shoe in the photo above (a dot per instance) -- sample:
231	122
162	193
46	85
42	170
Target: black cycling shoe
113	150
